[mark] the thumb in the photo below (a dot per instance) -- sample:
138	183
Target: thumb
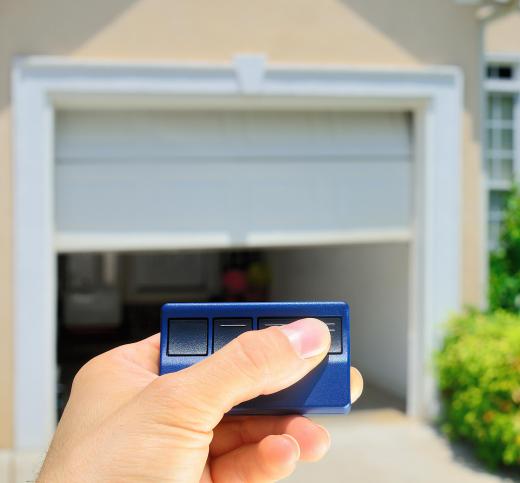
255	363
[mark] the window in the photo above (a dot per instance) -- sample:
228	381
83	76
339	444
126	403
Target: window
496	71
499	157
497	203
500	137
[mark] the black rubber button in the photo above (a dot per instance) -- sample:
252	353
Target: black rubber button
225	330
334	325
187	337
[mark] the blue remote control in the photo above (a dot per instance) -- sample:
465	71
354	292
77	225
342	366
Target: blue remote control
191	331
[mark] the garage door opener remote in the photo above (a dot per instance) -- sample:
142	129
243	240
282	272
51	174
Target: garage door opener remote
191	332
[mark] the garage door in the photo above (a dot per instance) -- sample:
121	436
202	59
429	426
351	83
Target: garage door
230	178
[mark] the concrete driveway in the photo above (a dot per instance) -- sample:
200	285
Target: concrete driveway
384	446
370	445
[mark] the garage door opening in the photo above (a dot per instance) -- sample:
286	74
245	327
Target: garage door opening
158	157
109	299
336	181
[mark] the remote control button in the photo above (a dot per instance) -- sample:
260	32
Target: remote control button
336	339
265	322
187	337
225	330
333	323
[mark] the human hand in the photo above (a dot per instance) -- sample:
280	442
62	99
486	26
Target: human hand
125	423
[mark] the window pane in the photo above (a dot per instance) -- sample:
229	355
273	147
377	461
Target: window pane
493	102
493	235
497	203
506	107
505	72
491	71
500	168
489	140
506	139
506	169
489	106
500	107
491	169
495	71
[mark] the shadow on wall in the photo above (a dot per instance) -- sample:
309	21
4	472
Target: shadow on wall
414	26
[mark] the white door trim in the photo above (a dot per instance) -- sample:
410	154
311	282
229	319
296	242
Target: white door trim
40	85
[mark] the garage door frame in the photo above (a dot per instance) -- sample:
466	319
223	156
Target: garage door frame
41	85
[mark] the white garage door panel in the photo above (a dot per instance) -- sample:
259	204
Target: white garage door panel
240	174
285	196
90	136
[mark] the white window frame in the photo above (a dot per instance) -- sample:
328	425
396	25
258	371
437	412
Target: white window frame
497	185
503	86
41	85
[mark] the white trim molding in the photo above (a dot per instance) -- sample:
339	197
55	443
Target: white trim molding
41	85
136	242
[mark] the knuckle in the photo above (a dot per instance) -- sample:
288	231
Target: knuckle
86	371
95	367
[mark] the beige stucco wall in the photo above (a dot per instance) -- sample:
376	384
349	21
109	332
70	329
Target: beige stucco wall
362	32
502	35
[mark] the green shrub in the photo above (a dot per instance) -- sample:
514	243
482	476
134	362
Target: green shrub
504	268
479	377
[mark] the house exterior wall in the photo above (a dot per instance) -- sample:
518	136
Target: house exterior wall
502	35
353	32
